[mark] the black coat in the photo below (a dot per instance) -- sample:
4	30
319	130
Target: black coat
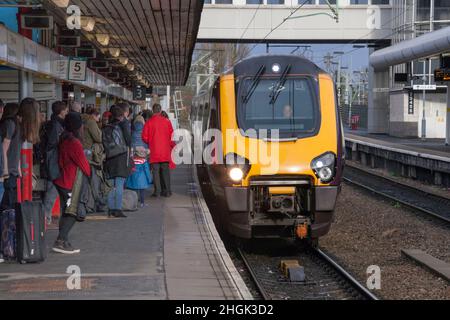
121	165
49	147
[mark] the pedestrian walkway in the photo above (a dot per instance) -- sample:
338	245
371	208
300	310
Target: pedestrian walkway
169	250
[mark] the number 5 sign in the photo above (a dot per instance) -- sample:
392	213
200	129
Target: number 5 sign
77	69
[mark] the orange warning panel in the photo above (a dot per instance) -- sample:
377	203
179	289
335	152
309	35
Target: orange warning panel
302	231
282	190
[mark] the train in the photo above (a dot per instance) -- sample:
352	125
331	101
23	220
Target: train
287	107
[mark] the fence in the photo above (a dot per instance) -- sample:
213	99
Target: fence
360	111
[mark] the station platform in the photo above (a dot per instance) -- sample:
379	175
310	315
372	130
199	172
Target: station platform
431	146
424	160
168	250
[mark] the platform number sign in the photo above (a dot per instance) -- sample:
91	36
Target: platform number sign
77	69
411	102
139	93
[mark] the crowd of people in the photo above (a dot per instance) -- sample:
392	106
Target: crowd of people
88	160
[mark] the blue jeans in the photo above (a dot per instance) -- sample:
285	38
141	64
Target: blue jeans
2	191
115	197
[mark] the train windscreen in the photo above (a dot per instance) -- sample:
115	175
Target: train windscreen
291	106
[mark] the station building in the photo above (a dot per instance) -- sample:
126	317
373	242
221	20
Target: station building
405	115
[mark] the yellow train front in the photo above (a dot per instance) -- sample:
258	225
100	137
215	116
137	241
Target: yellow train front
277	164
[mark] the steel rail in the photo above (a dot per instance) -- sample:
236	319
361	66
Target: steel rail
393	198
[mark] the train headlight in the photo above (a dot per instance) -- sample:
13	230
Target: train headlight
238	167
276	68
325	167
236	174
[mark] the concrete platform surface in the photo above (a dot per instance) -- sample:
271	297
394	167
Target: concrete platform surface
168	250
435	147
439	267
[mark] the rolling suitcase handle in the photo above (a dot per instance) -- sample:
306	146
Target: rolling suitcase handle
19	190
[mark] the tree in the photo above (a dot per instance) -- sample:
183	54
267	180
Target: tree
225	55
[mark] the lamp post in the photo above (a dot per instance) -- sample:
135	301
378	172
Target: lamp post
339	53
424	118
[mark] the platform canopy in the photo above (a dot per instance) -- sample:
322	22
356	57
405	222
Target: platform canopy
158	36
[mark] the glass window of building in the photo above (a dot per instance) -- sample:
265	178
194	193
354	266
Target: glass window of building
224	1
207	2
423	10
275	1
255	2
381	2
441	10
359	2
307	2
325	1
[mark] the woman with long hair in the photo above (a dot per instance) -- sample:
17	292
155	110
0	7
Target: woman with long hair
71	158
30	118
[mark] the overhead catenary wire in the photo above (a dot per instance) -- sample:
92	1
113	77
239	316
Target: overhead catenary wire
369	33
279	25
249	23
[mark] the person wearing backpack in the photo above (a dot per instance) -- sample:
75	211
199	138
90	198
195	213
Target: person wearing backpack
12	146
117	143
71	159
49	149
2	188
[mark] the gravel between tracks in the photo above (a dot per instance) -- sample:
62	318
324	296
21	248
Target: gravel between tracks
369	230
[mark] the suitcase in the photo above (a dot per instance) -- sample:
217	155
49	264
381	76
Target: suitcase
8	234
130	200
30	232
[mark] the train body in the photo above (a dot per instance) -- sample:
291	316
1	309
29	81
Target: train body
278	159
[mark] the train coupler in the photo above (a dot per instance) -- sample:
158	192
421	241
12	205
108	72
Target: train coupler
302	231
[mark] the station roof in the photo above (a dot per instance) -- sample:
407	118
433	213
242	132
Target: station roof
158	36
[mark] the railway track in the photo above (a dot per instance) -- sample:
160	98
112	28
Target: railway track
408	196
325	279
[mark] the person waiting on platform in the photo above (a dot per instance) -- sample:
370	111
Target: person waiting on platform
117	144
92	131
106	117
75	107
19	124
2	189
50	137
141	179
157	134
71	158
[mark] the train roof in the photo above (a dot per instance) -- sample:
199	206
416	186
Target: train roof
299	65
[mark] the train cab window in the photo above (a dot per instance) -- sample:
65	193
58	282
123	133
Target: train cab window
292	108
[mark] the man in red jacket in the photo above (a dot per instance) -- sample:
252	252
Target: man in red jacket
157	134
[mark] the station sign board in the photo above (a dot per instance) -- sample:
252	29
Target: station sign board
139	93
15	49
44	60
60	68
77	69
426	87
30	60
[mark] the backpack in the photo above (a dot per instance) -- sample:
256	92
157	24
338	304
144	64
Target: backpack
50	158
113	141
